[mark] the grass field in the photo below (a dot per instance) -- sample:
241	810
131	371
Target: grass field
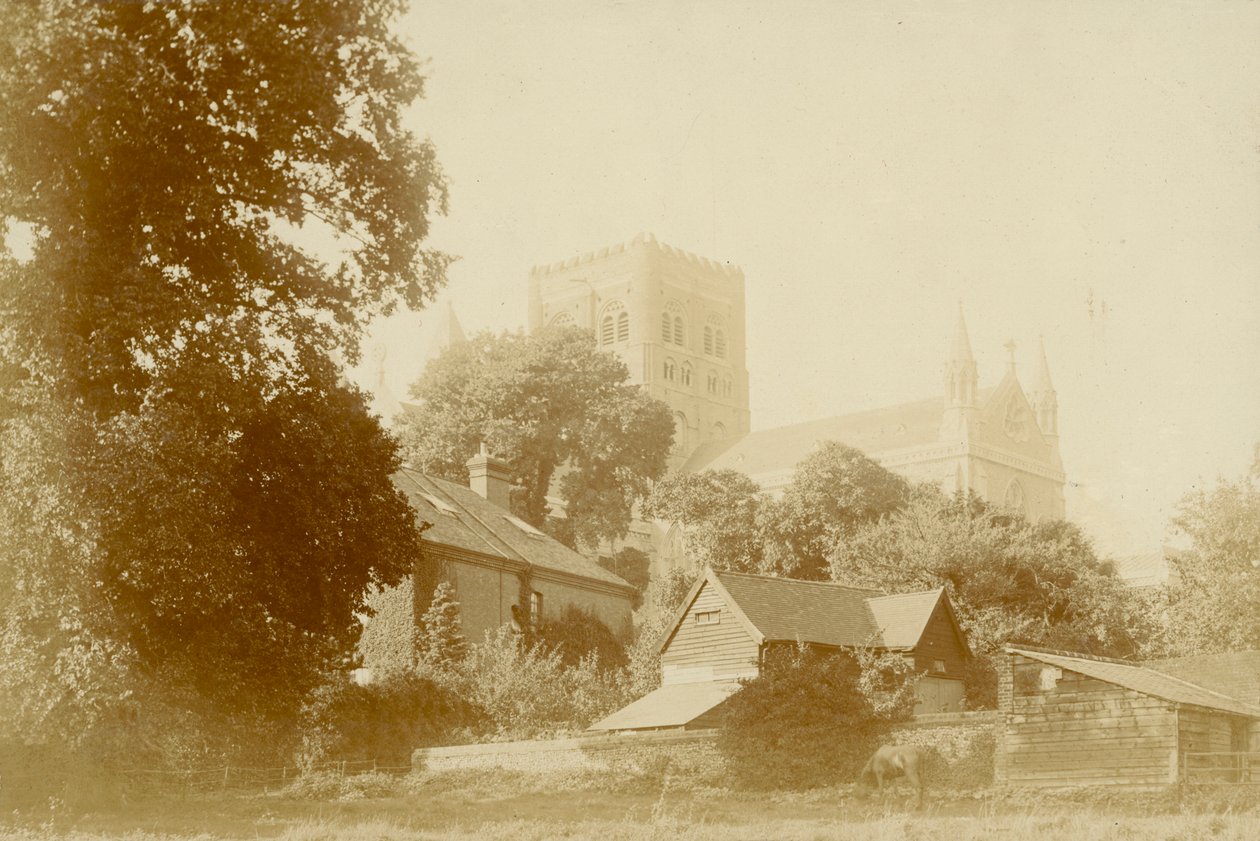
466	807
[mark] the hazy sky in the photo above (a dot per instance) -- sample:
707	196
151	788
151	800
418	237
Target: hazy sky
1086	171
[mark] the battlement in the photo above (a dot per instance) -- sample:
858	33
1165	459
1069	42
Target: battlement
646	240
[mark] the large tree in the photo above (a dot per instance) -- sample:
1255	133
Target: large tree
192	503
560	411
1214	599
720	514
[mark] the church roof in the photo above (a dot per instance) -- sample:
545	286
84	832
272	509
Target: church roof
781	449
462	519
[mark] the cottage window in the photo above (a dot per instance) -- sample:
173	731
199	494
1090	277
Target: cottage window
708	617
535	606
938	666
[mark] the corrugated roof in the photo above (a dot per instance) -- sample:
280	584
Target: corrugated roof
826	613
669	706
1139	678
771	451
478	525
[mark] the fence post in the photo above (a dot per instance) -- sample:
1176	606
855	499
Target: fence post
342	769
226	769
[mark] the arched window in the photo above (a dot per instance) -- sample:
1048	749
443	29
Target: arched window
713	382
726	387
680	432
1014	498
719	430
614	326
673	331
685	374
667	328
670	369
708	340
564	319
678	330
719	344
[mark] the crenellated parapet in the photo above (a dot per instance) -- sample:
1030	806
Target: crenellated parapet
646	240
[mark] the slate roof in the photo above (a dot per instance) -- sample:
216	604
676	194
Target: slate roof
670	706
1236	673
1141	678
781	449
460	518
825	613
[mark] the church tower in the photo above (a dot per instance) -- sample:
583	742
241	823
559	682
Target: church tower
675	319
960	385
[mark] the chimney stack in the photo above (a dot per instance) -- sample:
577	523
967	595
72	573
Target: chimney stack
490	478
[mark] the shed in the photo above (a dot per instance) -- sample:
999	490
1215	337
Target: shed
1072	719
728	621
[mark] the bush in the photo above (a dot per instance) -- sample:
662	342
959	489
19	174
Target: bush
803	722
577	635
980	683
384	721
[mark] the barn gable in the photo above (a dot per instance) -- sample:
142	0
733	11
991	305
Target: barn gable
710	638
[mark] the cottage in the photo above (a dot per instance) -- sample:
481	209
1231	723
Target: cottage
501	567
728	621
1070	719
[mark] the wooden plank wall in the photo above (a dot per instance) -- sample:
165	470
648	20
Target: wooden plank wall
721	651
1086	731
940	642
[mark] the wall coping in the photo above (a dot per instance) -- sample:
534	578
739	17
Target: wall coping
945	719
592	742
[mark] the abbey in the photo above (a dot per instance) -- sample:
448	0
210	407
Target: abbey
677	320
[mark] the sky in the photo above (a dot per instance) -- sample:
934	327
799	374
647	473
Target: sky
1088	173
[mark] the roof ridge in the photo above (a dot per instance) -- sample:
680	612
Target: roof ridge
1075	655
511	553
832	584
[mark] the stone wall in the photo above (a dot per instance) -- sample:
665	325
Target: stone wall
962	742
691	752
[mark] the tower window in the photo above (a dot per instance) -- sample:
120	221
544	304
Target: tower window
670	370
719	344
685	374
615	325
678	330
667	328
606	332
726	388
708	340
713	383
623	327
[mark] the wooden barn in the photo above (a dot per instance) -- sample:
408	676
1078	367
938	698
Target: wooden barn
1073	719
728	622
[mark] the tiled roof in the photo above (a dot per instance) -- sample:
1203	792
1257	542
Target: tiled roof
462	519
1236	673
669	706
770	451
902	618
1142	679
828	614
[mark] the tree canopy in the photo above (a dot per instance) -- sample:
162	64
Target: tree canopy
562	413
192	502
720	514
1214	600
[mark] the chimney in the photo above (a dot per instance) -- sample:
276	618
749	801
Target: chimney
490	478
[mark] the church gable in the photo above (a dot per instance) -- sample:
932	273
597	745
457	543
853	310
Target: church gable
1008	422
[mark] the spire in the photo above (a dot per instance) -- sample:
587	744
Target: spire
961	349
1044	385
446	332
1010	351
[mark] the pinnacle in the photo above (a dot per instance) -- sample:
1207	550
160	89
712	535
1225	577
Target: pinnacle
961	349
1044	383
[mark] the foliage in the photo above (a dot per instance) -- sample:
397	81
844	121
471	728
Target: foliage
441	643
720	513
834	491
665	596
803	722
578	635
192	505
888	682
544	401
633	566
1009	580
527	691
1214	602
384	720
391	638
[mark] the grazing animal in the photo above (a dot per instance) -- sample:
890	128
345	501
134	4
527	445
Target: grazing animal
893	761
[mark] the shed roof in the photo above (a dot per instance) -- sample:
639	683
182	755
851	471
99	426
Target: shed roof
1142	679
673	705
1234	673
820	612
462	519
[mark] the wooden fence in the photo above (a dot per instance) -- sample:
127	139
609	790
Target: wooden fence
1241	767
